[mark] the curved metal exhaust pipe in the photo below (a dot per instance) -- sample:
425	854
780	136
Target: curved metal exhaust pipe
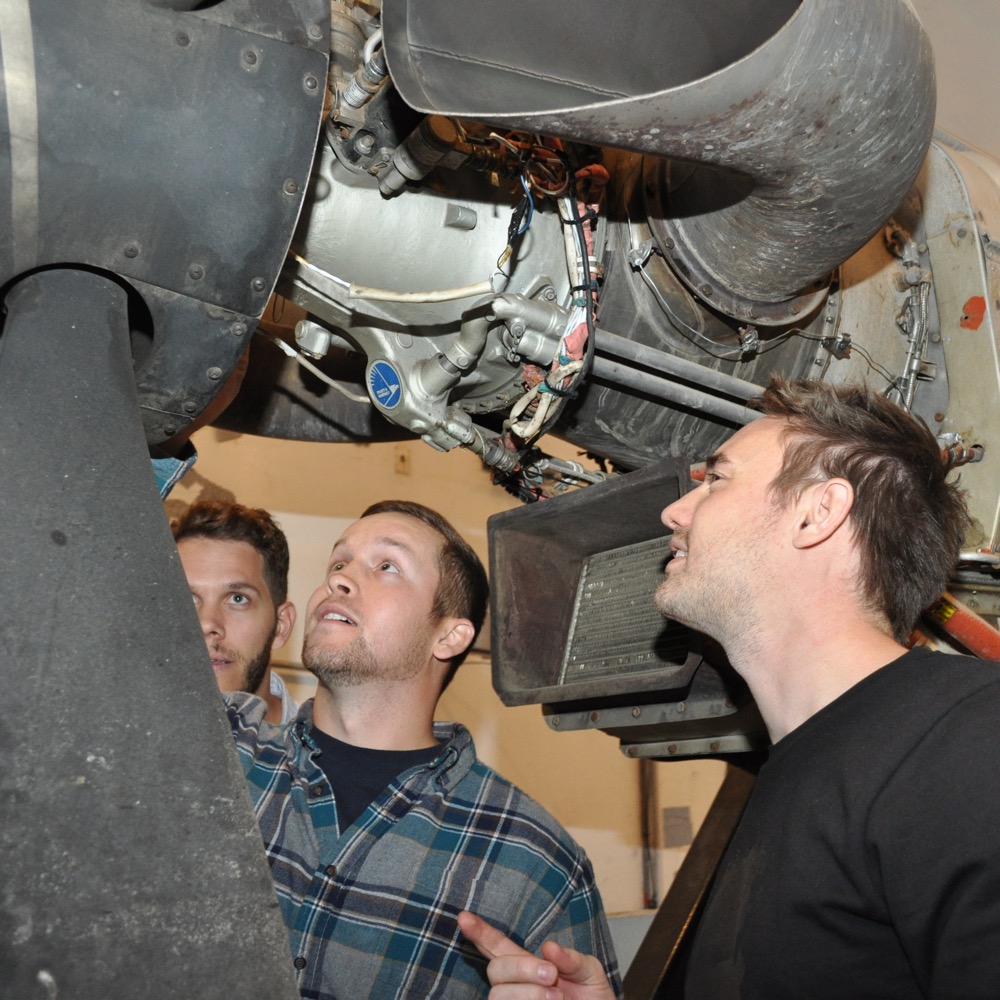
807	122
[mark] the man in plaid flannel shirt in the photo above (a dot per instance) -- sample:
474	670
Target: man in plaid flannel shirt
381	825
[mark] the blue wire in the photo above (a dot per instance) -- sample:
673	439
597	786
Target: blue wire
531	206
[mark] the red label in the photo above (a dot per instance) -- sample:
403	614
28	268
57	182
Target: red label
973	312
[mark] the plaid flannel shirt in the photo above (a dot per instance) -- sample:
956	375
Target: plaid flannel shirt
371	910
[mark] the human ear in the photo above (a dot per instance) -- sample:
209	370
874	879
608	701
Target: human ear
821	510
284	625
453	638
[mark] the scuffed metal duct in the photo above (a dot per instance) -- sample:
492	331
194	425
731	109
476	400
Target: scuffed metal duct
804	141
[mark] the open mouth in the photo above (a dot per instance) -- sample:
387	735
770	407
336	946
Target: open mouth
336	616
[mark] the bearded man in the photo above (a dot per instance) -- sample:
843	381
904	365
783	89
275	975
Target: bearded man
235	559
380	824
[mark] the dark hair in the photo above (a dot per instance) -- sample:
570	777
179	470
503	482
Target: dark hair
462	590
908	520
232	522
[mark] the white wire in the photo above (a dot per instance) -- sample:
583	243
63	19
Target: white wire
388	295
545	401
309	366
444	295
371	45
319	270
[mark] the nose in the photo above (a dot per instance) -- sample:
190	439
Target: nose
340	582
211	622
677	515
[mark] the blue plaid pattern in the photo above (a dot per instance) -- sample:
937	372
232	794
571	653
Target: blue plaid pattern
371	910
170	471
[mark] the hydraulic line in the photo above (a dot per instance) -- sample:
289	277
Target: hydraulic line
963	624
671	392
611	343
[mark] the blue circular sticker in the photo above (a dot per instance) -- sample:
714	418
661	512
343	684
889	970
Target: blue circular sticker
383	384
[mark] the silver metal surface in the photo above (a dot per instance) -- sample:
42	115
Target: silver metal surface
789	131
613	615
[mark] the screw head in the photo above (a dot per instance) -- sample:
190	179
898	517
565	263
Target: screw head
196	272
131	250
258	284
291	186
311	83
190	406
250	57
238	329
214	374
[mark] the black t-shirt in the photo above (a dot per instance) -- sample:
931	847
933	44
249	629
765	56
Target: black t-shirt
867	863
358	775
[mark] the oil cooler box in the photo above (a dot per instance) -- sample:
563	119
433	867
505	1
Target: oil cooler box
574	629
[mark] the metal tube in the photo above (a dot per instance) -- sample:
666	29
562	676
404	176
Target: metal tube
611	343
670	392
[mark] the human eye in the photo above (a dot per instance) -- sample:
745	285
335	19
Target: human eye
238	599
387	566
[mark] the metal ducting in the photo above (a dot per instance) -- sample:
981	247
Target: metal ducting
806	122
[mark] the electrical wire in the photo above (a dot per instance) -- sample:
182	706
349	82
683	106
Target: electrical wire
371	45
388	295
309	366
443	295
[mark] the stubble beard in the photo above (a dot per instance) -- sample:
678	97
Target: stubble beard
254	668
717	606
257	668
356	663
671	601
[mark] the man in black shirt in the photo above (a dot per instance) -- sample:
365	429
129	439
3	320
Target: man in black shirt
866	863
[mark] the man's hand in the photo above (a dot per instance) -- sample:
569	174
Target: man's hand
515	974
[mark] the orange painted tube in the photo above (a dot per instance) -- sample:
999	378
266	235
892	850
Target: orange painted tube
963	624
